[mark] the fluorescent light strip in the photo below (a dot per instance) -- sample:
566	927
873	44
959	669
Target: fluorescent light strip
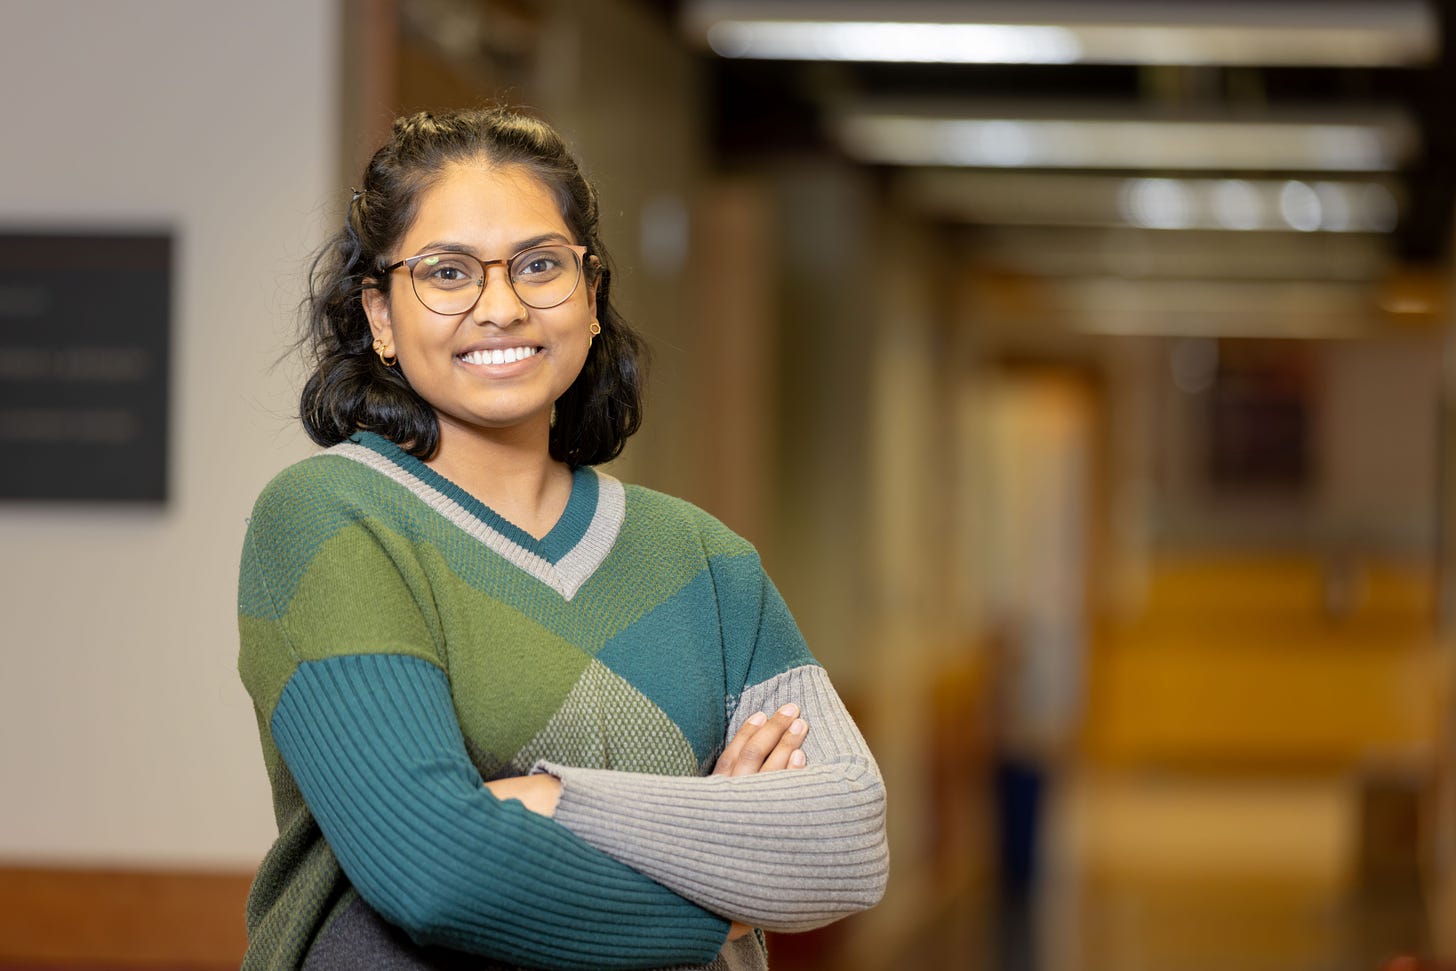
1239	204
1248	205
1306	46
1354	33
869	41
1191	44
1126	144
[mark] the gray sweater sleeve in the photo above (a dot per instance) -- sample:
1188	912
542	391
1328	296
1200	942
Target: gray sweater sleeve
787	851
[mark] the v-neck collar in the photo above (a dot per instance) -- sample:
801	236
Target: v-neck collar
564	558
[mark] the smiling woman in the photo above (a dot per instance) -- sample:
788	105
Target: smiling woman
496	329
515	712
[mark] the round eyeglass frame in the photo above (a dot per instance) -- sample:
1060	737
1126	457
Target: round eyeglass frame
578	252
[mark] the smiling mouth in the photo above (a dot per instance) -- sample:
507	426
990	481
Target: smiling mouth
507	355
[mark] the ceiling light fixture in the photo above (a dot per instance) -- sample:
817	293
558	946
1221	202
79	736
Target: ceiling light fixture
902	138
1341	33
1000	198
911	43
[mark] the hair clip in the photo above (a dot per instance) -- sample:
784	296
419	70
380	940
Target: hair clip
357	194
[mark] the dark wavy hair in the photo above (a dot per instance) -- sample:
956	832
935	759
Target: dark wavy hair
349	389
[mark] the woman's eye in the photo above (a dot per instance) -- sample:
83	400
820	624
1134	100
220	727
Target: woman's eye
442	271
537	264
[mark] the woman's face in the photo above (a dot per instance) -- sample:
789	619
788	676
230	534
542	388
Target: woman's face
491	213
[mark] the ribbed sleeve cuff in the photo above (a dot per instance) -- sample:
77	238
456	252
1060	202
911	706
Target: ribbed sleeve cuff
787	850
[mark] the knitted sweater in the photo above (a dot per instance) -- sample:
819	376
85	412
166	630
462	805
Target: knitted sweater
401	642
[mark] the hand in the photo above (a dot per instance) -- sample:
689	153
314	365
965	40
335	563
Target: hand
539	793
765	744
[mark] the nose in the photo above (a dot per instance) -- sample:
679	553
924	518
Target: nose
498	303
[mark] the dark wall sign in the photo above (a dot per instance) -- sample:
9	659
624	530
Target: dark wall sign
85	324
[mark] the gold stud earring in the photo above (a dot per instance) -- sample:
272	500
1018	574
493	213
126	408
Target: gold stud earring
385	357
594	330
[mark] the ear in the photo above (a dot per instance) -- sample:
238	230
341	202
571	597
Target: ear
376	308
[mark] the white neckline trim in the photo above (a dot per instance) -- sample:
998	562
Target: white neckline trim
567	575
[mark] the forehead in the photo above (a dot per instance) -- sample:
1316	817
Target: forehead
485	204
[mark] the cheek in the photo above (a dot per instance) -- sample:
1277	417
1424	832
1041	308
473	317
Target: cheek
578	353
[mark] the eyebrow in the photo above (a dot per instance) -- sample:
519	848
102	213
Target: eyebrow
448	246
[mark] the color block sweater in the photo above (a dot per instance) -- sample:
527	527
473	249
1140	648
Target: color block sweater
402	642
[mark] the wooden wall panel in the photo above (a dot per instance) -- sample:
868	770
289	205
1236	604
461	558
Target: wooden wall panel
93	919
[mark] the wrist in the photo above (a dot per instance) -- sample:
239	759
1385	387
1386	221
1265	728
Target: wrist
538	793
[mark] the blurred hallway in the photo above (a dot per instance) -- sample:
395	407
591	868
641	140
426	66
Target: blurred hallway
1084	378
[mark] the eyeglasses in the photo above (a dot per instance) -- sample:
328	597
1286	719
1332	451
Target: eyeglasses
450	283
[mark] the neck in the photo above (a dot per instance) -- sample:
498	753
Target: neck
508	469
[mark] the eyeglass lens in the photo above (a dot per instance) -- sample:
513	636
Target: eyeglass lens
450	283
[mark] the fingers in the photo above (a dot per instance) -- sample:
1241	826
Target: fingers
765	744
783	753
734	748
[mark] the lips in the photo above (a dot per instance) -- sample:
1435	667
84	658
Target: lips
498	355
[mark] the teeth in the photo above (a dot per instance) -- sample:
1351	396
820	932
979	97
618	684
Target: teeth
509	355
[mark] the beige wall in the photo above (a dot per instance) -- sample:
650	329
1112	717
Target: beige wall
127	738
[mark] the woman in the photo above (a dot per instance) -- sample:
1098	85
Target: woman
491	682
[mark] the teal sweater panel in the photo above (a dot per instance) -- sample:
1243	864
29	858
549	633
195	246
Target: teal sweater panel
387	617
374	746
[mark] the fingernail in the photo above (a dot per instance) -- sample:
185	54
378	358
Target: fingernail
796	759
797	726
790	710
757	719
